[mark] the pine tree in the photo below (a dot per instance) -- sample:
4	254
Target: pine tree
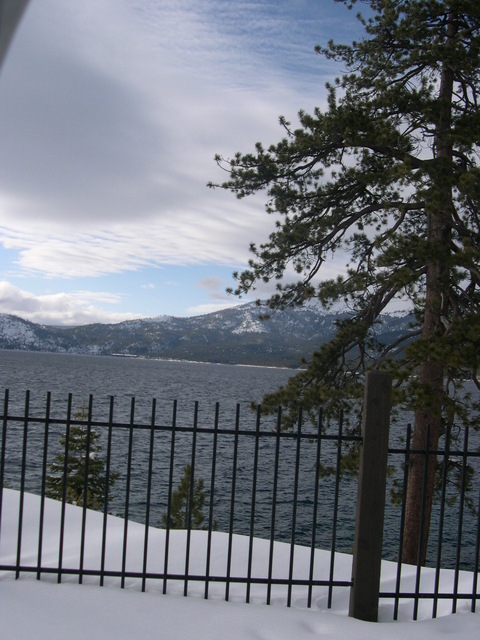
388	175
70	477
182	505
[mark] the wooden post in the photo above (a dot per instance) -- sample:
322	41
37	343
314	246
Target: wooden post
367	550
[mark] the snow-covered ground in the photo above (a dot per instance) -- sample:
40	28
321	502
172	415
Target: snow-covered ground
43	609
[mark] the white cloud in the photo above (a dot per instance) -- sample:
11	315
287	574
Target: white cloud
79	307
58	250
113	113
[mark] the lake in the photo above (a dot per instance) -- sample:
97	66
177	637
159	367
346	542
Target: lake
145	379
206	384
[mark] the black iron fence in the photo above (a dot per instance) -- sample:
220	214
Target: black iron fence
258	481
453	548
269	527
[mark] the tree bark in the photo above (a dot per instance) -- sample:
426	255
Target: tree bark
428	419
426	436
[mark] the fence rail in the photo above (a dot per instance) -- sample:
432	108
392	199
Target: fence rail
468	463
273	525
258	482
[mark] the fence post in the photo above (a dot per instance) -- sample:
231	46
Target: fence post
367	549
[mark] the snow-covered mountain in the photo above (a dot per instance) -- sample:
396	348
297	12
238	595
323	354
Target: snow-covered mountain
235	335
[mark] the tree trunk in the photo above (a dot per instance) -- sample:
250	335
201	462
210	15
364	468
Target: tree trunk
428	419
426	436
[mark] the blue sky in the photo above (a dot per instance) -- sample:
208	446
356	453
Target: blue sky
111	112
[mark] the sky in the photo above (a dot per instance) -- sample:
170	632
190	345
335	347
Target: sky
111	113
45	610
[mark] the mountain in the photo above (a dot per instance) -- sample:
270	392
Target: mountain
235	335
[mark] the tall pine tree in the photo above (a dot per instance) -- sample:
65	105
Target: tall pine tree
388	175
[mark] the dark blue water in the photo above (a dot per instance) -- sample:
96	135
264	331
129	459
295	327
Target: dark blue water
188	383
205	384
126	377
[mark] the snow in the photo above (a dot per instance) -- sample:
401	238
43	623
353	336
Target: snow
250	325
46	610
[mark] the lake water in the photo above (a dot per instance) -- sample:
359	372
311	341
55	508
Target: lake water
206	384
166	381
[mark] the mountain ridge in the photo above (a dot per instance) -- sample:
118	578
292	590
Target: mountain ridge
234	336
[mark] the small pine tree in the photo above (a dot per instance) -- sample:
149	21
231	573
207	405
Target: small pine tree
74	478
180	506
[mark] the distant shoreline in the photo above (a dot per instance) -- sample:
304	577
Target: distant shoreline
129	356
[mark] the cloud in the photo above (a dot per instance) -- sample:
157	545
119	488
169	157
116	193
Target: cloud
201	309
215	286
80	307
112	113
60	250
